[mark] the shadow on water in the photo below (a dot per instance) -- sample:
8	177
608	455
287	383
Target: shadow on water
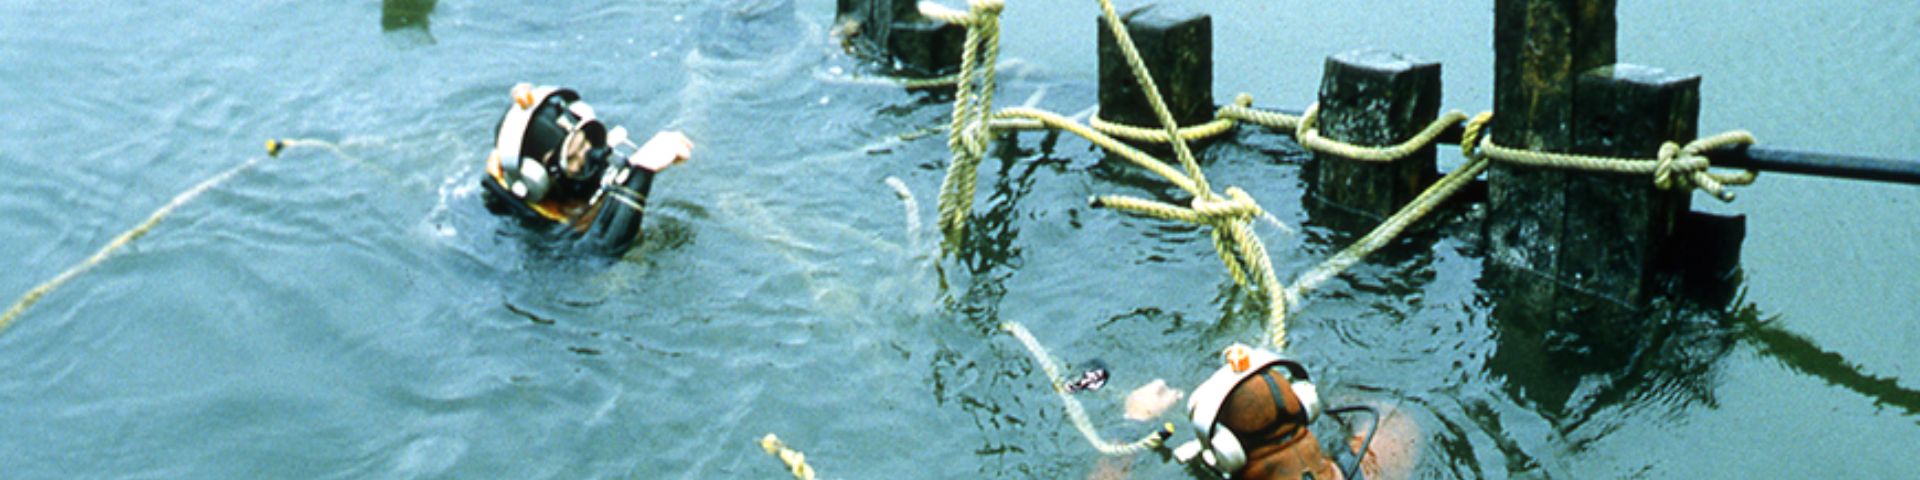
1800	354
406	20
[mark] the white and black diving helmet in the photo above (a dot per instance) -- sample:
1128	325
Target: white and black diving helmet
549	145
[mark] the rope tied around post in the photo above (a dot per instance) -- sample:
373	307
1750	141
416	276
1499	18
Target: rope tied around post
1675	167
1307	133
971	129
1683	167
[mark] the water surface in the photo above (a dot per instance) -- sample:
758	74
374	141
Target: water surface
327	317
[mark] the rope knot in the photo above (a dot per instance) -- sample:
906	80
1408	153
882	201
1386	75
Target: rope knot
1683	167
1667	163
1237	205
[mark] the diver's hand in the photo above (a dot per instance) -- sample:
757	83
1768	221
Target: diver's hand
1151	400
664	150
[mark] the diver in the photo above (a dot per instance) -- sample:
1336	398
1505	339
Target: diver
555	163
1251	420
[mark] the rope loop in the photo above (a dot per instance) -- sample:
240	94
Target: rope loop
1308	121
1470	137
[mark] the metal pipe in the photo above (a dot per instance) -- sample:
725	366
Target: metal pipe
1781	160
1852	167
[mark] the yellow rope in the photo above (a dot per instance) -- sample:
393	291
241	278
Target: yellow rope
1239	111
1239	249
1219	125
1309	136
1428	201
120	241
1675	167
1075	412
795	461
1152	91
1131	133
971	128
1125	151
1303	127
273	147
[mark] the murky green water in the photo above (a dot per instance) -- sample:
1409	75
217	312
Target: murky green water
321	318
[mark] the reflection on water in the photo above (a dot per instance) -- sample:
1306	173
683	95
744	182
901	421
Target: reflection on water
1801	354
407	18
1569	379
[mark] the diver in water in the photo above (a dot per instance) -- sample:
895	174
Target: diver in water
555	163
1251	419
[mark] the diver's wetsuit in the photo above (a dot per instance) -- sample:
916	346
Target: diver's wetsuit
617	226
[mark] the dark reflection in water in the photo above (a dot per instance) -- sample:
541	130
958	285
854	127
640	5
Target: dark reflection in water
988	242
748	29
1671	365
1802	355
407	18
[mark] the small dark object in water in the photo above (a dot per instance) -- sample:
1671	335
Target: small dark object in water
1092	379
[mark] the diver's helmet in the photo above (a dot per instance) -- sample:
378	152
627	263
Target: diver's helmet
1217	448
549	142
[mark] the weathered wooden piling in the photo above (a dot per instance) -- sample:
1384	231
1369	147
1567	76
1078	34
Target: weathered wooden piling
1576	250
1623	221
1539	47
895	33
1374	98
1176	44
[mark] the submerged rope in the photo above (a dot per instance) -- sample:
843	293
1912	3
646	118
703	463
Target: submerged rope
1076	413
121	241
795	461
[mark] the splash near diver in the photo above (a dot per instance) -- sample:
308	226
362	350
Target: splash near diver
557	166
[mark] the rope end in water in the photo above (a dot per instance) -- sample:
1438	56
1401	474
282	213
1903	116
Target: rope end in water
274	146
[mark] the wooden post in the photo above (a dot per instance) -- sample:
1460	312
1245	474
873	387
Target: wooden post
894	32
1374	98
1540	47
1574	253
1622	223
1177	46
